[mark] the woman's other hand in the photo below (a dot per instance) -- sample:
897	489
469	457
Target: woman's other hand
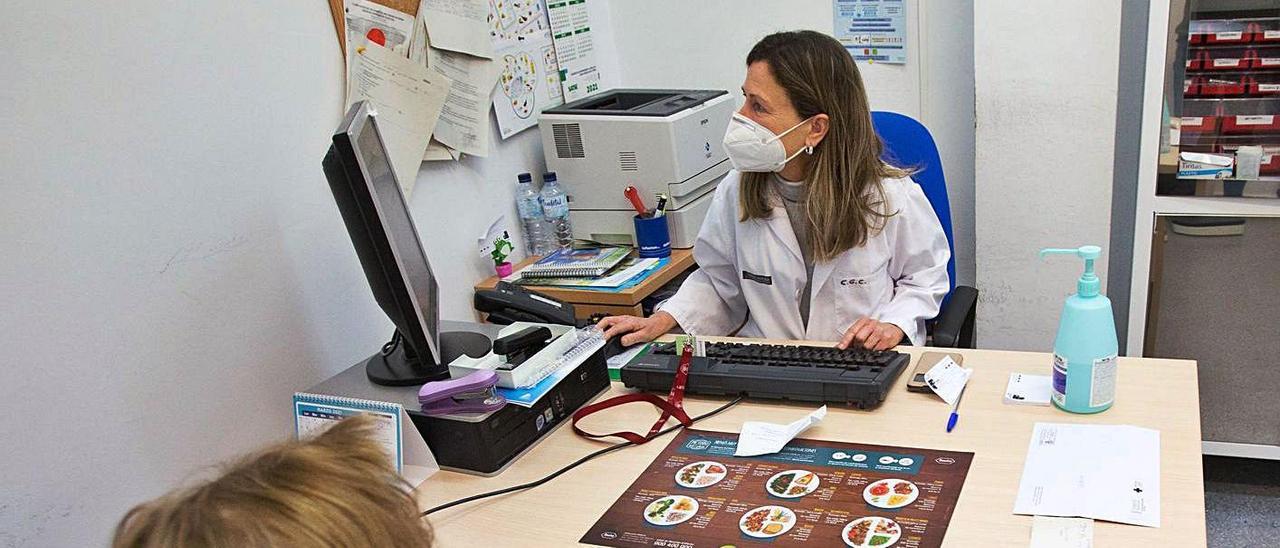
634	329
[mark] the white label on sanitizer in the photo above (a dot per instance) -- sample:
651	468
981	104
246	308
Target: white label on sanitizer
1103	388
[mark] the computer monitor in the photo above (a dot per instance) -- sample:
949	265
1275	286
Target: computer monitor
373	207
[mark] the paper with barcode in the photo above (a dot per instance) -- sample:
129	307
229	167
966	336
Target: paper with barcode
766	438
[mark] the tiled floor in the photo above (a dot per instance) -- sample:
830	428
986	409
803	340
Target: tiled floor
1242	502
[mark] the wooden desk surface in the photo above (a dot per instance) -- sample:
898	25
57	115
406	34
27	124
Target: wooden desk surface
681	260
1152	393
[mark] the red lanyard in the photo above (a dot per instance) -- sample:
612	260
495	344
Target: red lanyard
673	406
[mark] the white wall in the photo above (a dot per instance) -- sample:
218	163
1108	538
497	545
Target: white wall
1046	95
174	267
680	44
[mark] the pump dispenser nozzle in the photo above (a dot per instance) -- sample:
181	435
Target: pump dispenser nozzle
1088	285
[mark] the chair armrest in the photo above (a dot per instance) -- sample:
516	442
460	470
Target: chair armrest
953	328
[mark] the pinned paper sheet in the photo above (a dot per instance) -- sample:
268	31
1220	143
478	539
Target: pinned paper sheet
407	100
765	438
377	22
947	379
464	122
459	25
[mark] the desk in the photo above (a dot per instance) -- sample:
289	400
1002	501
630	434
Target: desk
585	302
1153	393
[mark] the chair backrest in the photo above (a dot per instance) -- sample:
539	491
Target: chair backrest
908	144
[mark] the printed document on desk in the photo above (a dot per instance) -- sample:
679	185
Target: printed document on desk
1106	472
407	100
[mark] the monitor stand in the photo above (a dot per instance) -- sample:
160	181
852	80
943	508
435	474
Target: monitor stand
404	367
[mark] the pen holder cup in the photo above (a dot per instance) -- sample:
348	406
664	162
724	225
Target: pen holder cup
653	240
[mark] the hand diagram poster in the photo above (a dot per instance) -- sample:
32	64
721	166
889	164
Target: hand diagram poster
528	75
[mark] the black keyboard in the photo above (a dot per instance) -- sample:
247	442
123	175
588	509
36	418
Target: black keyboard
856	377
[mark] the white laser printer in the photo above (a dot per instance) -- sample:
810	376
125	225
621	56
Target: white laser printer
656	140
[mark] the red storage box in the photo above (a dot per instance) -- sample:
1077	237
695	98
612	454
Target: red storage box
1222	86
1191	87
1263	85
1270	161
1219	31
1270	157
1264	31
1197	59
1226	58
1266	58
1250	123
1199	124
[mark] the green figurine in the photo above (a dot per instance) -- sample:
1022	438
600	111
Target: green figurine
501	249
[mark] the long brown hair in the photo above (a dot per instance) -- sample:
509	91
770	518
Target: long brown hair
845	200
337	489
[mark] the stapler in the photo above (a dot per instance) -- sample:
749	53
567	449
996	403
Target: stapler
473	393
521	345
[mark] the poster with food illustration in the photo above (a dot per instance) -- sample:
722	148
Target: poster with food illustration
812	493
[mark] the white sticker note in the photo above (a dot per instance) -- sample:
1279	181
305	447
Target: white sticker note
947	379
766	438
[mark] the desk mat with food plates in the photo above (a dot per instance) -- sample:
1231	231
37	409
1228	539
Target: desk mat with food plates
696	494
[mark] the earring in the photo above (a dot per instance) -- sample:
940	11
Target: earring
808	149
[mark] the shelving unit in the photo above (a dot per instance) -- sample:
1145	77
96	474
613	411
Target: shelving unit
1231	98
1218	72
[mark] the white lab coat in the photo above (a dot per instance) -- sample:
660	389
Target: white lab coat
753	270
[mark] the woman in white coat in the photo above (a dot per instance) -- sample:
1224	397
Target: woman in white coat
811	236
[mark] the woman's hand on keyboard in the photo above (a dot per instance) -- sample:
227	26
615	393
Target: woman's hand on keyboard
872	335
635	330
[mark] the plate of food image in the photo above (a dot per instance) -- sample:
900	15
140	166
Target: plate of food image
871	532
670	510
792	484
891	494
701	474
767	521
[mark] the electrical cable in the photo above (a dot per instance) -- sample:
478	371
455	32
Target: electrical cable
574	464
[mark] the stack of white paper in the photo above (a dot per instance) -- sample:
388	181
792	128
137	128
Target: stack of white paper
1095	471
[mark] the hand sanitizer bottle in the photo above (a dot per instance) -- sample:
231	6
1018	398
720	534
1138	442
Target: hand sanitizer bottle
1084	353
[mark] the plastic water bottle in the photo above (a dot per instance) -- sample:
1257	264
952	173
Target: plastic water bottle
537	237
555	206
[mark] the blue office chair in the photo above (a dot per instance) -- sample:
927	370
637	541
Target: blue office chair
908	144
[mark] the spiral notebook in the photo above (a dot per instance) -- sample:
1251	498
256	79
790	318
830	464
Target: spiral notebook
315	413
578	263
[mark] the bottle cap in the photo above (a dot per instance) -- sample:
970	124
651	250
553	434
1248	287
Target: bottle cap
524	178
548	176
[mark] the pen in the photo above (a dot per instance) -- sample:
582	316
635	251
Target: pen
955	411
661	208
634	197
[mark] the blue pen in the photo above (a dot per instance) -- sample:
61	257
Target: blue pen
955	411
